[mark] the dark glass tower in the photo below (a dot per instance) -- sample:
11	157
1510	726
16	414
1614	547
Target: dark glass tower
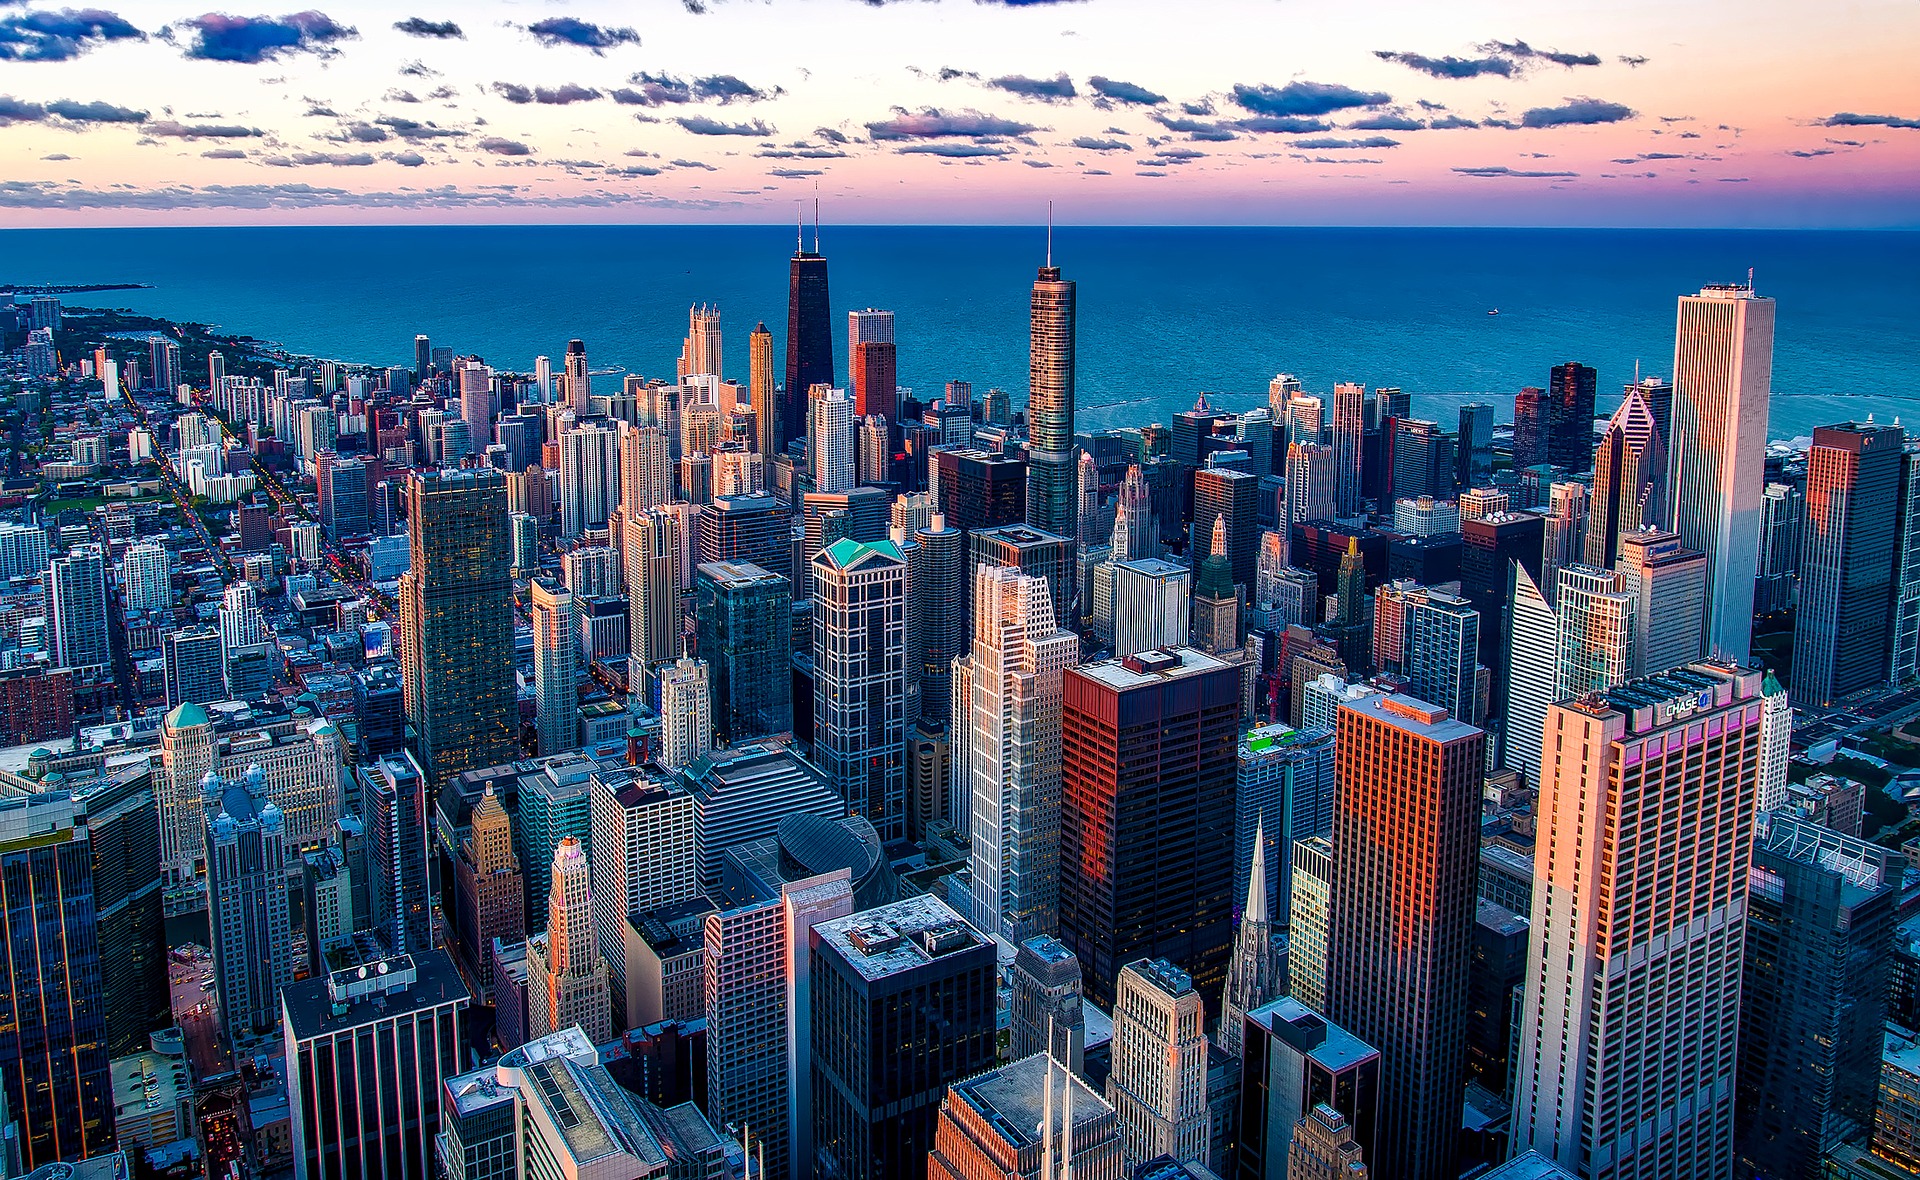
1051	502
809	334
1570	391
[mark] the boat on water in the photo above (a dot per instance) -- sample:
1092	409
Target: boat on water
1493	311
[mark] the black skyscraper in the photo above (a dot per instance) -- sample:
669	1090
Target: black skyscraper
809	334
1570	391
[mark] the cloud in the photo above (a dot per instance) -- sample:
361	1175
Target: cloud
831	136
1327	144
1284	124
932	123
1632	60
170	129
30	194
794	173
418	69
1450	123
94	112
701	125
1386	123
1522	51
254	39
504	147
557	96
360	133
1578	112
802	151
695	164
1849	119
956	151
725	88
407	159
1304	98
1810	153
415	26
410	129
336	159
653	90
1056	89
1126	92
566	30
223	154
1503	170
1090	144
62	35
57	157
1449	67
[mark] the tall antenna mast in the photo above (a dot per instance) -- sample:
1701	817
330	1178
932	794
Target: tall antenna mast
1046	1111
799	231
816	217
1049	266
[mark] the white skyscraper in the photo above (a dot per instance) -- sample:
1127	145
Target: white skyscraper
589	476
1564	535
241	623
568	969
830	439
653	545
1669	587
1776	745
646	468
1532	666
1595	614
643	858
1627	1036
1006	710
686	713
23	549
1310	483
543	378
556	667
1151	599
1159	1082
1722	378
868	326
700	354
145	575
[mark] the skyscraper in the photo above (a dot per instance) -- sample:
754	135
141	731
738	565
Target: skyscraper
871	363
686	717
1158	1087
1006	748
1019	1121
490	896
589	475
1564	533
1324	1148
1570	393
1629	467
1601	1087
859	678
456	622
1047	1003
579	380
1311	484
1146	840
1349	430
556	666
1406	836
194	663
940	587
247	902
1216	600
145	577
652	568
916	968
1783	514
1475	444
77	593
809	332
1669	588
566	963
1722	378
1532	667
1443	651
646	469
1849	559
769	436
1257	974
1300	1065
1813	995
1234	497
393	810
1311	910
744	620
1595	618
830	441
1283	790
700	352
1050	375
53	1060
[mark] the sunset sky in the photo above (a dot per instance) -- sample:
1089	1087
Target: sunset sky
1766	113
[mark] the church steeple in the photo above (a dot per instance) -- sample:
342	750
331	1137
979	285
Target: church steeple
1257	973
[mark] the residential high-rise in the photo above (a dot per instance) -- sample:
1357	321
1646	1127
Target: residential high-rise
918	970
1047	1003
1570	394
1308	916
1563	534
652	566
1821	912
1158	1087
1443	652
686	712
830	441
744	623
367	1051
1783	515
145	577
566	964
1669	588
579	380
247	902
194	663
1602	1084
53	1060
756	529
1406	838
859	678
643	850
589	475
1017	1121
1050	385
456	622
1031	551
700	352
77	594
1301	1066
490	896
1629	469
1530	437
393	810
941	588
646	469
1257	974
1594	614
1722	378
1146	840
1348	435
1849	559
1006	749
556	666
769	437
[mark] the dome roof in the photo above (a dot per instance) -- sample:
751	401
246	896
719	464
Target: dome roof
815	845
185	715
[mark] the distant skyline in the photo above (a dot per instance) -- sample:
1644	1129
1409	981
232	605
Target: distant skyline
1766	114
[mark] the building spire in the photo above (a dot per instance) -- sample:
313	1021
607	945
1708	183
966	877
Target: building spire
816	217
1219	547
1050	239
1256	910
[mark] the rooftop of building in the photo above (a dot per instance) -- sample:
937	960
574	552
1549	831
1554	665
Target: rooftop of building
1279	738
1531	1166
360	995
1150	667
595	1117
737	573
675	929
1413	715
1012	1098
1500	919
1900	1049
1308	1032
1170	980
1672	696
111	1166
899	936
1155	567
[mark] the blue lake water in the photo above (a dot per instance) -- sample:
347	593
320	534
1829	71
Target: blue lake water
1165	313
